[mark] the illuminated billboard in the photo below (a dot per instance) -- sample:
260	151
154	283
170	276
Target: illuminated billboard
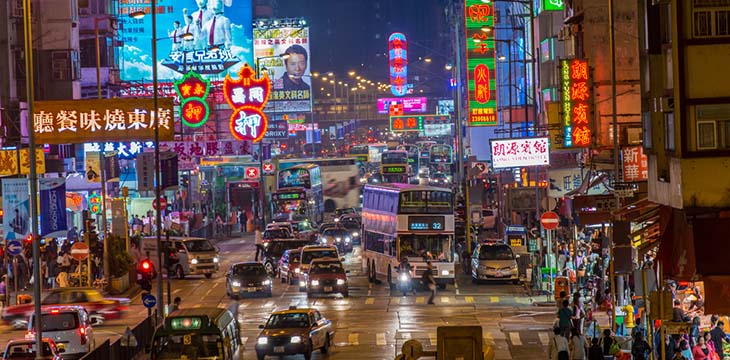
576	103
407	105
480	61
520	152
398	64
291	89
209	37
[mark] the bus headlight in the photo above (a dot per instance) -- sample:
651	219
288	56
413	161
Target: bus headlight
266	282
338	239
216	259
347	239
235	283
355	234
444	272
315	282
194	261
296	339
340	281
262	340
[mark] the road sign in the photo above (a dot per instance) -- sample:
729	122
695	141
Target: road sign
549	220
268	168
149	300
14	247
252	172
482	167
163	201
79	251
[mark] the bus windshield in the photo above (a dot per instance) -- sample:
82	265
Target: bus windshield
394	157
191	346
426	202
428	247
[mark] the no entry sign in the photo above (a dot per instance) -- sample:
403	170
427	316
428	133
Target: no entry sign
549	220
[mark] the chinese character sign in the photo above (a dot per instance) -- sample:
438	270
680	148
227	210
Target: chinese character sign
398	63
417	123
635	162
576	102
247	96
520	152
553	5
408	105
291	89
480	60
81	121
193	90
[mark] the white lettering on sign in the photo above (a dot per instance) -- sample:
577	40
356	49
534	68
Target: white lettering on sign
256	94
520	152
248	121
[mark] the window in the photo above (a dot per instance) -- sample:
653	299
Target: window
706	135
721	22
646	129
669	131
710	18
702	27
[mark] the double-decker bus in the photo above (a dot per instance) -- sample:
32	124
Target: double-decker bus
340	180
394	166
411	221
441	155
361	153
299	193
412	151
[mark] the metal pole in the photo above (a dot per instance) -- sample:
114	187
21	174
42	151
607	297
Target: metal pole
548	262
158	175
612	282
32	175
457	111
612	45
98	61
509	69
262	183
647	310
660	287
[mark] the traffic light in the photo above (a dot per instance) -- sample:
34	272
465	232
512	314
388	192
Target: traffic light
90	230
29	239
145	273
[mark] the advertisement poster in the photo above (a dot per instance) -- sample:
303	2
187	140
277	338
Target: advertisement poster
445	107
16	208
480	60
210	37
145	171
408	105
93	167
291	80
53	207
168	170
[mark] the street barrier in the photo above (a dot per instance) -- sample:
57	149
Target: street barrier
116	350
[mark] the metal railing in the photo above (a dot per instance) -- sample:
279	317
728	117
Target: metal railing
116	350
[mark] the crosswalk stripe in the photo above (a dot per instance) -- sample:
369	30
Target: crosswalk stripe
353	339
522	300
269	304
197	305
395	301
432	338
369	301
469	299
380	339
494	299
445	299
544	338
420	300
515	338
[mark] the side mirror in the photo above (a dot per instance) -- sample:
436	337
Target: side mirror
261	326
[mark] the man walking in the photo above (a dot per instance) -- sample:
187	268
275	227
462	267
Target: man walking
429	281
718	335
243	219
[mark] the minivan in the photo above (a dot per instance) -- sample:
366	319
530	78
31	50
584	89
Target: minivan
196	256
69	327
492	261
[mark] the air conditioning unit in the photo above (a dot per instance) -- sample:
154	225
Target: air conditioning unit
664	104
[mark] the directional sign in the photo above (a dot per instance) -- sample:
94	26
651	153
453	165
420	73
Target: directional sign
79	251
482	167
14	248
149	301
549	220
268	168
252	172
163	201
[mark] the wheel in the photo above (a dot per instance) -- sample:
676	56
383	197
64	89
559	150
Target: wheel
208	275
442	286
269	267
308	352
179	272
346	294
260	356
326	347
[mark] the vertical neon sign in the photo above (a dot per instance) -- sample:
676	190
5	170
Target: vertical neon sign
398	63
575	101
480	63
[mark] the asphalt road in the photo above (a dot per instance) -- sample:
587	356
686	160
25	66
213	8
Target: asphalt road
370	324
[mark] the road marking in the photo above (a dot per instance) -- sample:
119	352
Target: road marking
420	300
197	305
395	300
515	338
176	291
494	299
445	299
544	338
380	339
369	301
522	300
208	292
353	339
457	291
269	304
488	337
432	338
469	299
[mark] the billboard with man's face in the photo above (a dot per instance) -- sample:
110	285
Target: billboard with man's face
210	37
291	89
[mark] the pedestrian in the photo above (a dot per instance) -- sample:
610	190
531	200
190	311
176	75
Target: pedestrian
578	314
701	351
694	331
578	345
710	344
176	304
558	348
243	219
718	335
429	281
640	349
638	329
3	291
259	243
565	316
607	342
595	352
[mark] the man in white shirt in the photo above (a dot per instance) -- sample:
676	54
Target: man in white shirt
558	344
190	28
218	29
176	36
202	15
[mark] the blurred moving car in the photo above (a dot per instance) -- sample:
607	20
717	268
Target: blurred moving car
438	179
275	234
311	252
344	211
294	331
489	218
494	261
281	225
276	248
327	276
289	266
69	326
352	223
248	278
91	299
26	350
304	230
339	237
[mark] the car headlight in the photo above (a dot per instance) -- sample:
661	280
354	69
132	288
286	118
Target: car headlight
315	282
337	219
194	261
302	284
297	270
355	234
340	281
262	340
235	283
338	239
266	282
347	239
296	339
266	244
216	259
444	272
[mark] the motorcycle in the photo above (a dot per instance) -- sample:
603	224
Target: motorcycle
405	284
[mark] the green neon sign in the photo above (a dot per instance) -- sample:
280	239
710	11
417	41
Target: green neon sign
553	5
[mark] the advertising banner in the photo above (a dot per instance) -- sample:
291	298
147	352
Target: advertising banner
82	121
92	167
398	64
53	205
145	171
480	61
168	170
417	122
112	170
291	80
576	102
520	152
445	107
16	208
635	164
409	105
277	130
211	37
9	162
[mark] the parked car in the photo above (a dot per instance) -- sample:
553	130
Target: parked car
21	349
248	278
494	261
69	326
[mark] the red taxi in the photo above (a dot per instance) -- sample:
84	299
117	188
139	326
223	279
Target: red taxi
326	276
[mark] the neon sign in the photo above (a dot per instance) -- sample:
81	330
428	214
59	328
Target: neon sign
193	90
575	101
247	96
95	203
480	54
398	63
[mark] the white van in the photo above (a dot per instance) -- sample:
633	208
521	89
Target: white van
69	327
196	256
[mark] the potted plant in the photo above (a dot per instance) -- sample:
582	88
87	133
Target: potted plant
120	262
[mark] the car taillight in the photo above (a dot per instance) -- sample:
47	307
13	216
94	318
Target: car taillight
82	332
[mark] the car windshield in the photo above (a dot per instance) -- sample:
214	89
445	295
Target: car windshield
277	248
25	350
336	233
291	320
60	321
249	270
486	213
340	212
350	224
276	234
310	255
199	245
327	268
495	253
190	346
438	176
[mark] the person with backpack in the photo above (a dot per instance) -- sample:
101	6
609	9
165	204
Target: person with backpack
558	347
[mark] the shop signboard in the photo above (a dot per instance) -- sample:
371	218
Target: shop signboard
576	103
409	105
513	153
247	97
480	63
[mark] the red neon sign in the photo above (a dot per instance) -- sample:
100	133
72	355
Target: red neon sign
247	96
576	103
193	90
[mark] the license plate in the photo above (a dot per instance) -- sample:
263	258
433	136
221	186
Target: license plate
328	289
279	349
252	289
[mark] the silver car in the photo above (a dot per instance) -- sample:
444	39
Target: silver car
69	327
494	262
